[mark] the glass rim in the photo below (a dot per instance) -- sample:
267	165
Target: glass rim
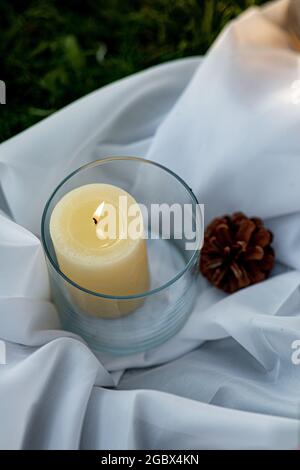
92	164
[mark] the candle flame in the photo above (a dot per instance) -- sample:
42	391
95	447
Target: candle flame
98	212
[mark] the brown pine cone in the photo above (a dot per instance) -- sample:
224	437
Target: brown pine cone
236	252
293	22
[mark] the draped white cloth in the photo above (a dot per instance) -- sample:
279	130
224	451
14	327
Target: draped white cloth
229	125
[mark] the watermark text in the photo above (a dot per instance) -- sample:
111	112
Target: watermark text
2	92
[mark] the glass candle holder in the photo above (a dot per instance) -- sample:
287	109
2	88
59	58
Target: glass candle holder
173	229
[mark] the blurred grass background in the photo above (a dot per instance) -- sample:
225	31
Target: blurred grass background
53	52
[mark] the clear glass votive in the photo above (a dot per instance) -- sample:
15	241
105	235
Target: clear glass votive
173	228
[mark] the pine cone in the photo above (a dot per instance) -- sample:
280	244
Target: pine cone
236	252
293	22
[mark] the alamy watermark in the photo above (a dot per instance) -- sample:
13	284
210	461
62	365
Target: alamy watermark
2	92
155	221
2	352
295	92
295	357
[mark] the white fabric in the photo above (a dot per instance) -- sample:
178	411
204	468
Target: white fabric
229	125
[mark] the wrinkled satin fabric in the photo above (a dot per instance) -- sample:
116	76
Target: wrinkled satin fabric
229	125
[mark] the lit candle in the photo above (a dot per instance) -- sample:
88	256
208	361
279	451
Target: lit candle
113	262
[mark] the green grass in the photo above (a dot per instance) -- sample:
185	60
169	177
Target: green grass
53	52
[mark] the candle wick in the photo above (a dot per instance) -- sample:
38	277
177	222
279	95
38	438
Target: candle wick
95	220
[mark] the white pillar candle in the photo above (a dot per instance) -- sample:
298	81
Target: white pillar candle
115	266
